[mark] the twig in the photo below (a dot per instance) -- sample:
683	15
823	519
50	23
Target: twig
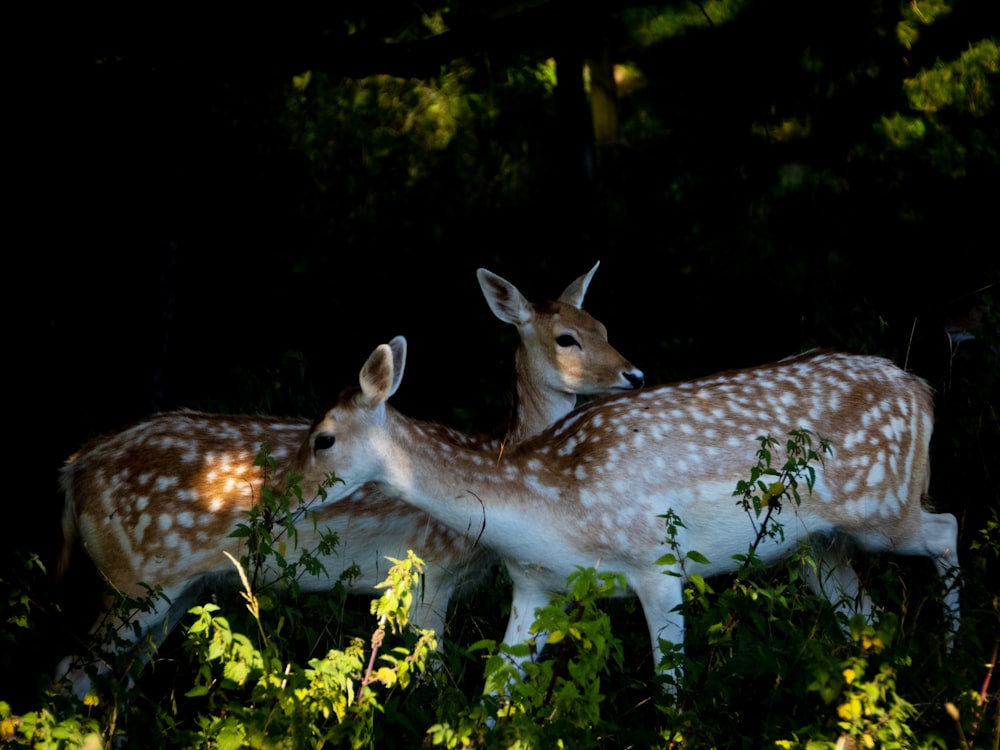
377	637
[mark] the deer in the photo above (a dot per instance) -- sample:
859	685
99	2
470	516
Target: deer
155	503
593	488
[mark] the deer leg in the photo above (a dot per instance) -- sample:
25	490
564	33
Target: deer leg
834	579
430	601
528	597
939	537
661	598
936	537
116	632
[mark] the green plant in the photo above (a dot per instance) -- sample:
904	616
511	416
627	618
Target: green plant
272	531
557	699
861	690
253	695
44	730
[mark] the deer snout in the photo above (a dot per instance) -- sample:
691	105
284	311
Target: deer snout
635	378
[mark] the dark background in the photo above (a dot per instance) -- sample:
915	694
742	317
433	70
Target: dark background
182	245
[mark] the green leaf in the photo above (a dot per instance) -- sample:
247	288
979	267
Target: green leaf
231	735
667	559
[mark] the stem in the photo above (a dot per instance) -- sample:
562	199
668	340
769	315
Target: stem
377	638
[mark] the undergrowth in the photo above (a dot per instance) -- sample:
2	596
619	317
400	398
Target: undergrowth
765	663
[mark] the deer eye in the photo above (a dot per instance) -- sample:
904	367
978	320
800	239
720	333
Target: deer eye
323	442
565	340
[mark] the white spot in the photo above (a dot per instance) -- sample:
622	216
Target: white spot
892	503
165	483
876	474
141	525
853	438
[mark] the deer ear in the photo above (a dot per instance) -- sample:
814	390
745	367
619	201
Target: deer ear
575	292
506	302
398	347
382	373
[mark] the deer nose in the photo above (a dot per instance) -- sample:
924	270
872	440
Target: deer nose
635	378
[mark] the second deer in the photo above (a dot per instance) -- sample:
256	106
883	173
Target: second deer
156	503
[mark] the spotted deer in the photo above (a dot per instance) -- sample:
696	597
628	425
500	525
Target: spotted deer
592	489
156	502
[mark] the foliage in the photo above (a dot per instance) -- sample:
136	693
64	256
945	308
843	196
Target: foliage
759	496
556	699
940	98
256	697
379	124
651	24
42	729
272	525
19	578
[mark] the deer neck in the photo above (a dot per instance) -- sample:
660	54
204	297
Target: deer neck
536	404
425	466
